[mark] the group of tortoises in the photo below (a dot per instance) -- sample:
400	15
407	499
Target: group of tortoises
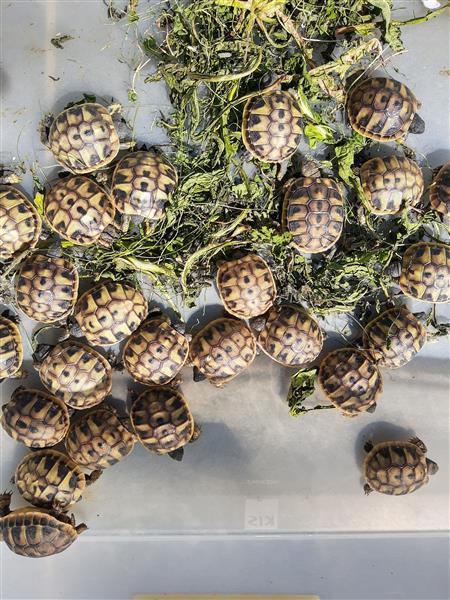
74	412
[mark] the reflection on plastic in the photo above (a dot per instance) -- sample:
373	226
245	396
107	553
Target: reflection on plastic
261	514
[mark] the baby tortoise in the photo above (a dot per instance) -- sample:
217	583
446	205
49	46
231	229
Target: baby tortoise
20	223
440	190
36	532
35	418
426	272
397	468
11	348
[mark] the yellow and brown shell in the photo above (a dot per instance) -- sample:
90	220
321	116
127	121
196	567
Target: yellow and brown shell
272	126
46	288
79	210
350	380
313	212
156	352
83	138
391	184
161	419
35	418
20	223
394	337
246	286
76	374
142	184
426	272
223	349
290	336
49	479
440	190
11	348
381	108
110	312
97	439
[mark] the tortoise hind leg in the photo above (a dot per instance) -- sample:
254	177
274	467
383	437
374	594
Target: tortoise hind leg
418	125
90	479
367	489
177	454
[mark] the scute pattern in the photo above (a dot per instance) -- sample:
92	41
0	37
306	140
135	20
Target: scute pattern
79	210
156	352
222	350
381	109
35	418
313	211
290	336
83	138
272	126
246	286
110	312
162	420
20	223
391	184
98	440
394	337
350	380
142	184
46	288
11	348
440	191
77	374
426	272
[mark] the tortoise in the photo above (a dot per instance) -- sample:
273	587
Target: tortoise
397	468
35	418
391	184
83	138
272	126
383	109
350	380
289	335
74	372
394	337
313	212
11	348
98	439
440	190
222	350
50	479
36	532
81	211
109	312
156	352
46	288
162	421
246	286
425	272
142	184
20	223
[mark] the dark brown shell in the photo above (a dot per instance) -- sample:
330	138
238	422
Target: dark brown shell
426	272
440	191
20	223
11	348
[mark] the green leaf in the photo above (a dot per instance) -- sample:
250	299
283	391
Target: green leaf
39	202
385	6
318	133
345	155
302	387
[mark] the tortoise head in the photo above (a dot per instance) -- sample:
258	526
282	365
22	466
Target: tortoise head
432	467
418	125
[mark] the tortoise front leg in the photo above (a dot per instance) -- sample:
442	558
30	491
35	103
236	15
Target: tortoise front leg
367	489
92	478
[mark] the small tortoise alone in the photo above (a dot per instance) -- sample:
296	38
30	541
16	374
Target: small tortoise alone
426	272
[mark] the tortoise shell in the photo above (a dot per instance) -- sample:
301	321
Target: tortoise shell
97	439
79	210
162	420
391	184
156	352
396	468
110	312
350	380
246	286
394	337
35	418
49	479
77	374
440	191
290	336
20	223
272	126
11	348
46	288
83	138
222	350
381	109
313	211
142	184
426	272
